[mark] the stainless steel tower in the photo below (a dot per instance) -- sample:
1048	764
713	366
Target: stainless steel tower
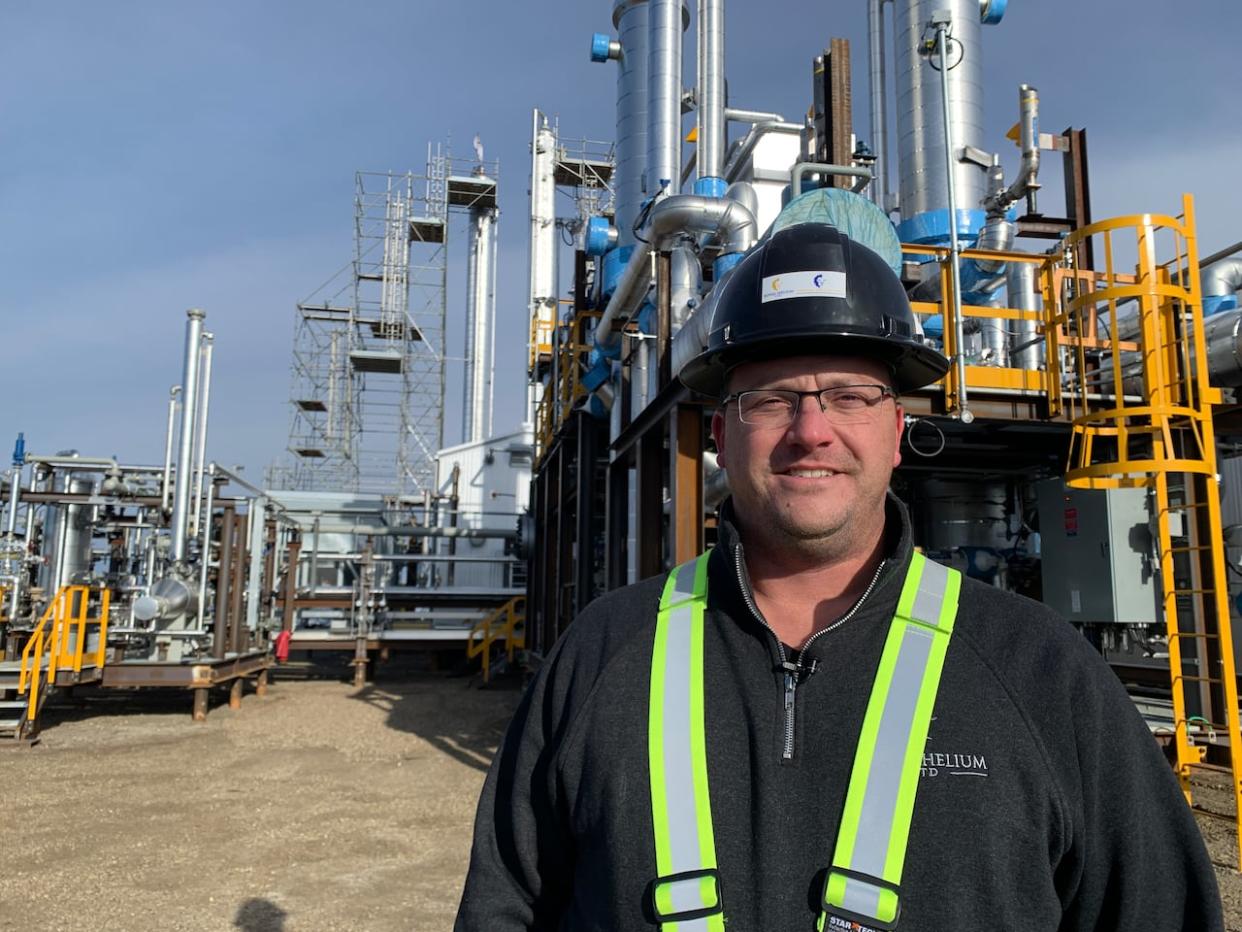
476	412
920	119
630	19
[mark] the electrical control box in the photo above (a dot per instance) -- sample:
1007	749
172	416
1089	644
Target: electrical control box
1096	554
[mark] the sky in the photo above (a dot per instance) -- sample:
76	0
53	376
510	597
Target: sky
160	154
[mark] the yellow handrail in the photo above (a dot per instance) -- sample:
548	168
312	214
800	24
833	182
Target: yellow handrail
501	624
68	609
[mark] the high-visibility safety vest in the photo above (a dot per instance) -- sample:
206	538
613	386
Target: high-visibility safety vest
863	886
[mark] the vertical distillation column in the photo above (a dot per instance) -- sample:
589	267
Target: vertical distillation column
630	19
185	454
920	121
542	252
666	21
476	412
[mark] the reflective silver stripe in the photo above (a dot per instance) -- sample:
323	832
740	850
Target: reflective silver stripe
683	586
861	897
683	828
930	597
875	822
685	896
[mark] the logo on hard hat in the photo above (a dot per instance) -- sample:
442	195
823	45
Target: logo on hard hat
809	284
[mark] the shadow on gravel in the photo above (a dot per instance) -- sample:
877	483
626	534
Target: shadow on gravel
259	915
91	701
469	731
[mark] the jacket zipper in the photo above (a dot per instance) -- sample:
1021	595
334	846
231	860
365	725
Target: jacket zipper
793	671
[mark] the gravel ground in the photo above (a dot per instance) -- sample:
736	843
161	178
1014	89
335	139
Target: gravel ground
319	807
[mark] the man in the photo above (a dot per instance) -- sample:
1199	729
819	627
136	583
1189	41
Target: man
812	726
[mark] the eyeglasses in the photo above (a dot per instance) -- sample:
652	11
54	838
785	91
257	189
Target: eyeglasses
841	404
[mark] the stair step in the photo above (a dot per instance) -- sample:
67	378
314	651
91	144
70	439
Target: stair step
15	666
13	704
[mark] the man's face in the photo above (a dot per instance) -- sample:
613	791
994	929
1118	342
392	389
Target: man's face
815	486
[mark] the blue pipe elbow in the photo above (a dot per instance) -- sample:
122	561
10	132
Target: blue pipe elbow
992	11
711	187
597	375
600	236
1218	304
601	44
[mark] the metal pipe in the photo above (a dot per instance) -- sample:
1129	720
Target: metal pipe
1028	348
205	556
737	115
366	530
200	438
1025	184
166	488
189	410
74	463
679	214
801	169
954	247
15	497
736	160
663	95
1221	278
710	114
879	115
480	299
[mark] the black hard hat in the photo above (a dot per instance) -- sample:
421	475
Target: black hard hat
808	290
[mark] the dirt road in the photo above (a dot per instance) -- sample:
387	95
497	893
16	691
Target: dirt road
320	807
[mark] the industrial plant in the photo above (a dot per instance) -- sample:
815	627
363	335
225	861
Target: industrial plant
1081	450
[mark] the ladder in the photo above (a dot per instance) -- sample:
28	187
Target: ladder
1134	358
55	651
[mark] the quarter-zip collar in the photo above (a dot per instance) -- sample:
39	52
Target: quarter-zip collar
879	601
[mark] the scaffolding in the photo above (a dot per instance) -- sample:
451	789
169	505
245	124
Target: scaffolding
368	378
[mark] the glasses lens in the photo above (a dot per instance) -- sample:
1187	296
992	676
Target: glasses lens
844	404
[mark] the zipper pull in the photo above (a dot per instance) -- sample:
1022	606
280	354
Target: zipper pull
791	671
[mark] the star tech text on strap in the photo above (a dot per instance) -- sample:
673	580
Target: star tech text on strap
686	895
864	881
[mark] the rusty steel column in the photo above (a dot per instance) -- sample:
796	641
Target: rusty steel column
292	552
224	577
649	509
260	684
200	704
268	583
236	614
686	471
235	692
664	323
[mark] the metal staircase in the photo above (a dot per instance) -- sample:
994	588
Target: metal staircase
503	632
65	648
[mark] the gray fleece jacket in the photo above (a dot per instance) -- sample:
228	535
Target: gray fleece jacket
1044	803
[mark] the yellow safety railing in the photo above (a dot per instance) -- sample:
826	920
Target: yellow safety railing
1141	411
987	374
65	615
500	625
566	388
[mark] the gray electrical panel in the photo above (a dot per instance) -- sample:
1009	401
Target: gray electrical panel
1096	554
